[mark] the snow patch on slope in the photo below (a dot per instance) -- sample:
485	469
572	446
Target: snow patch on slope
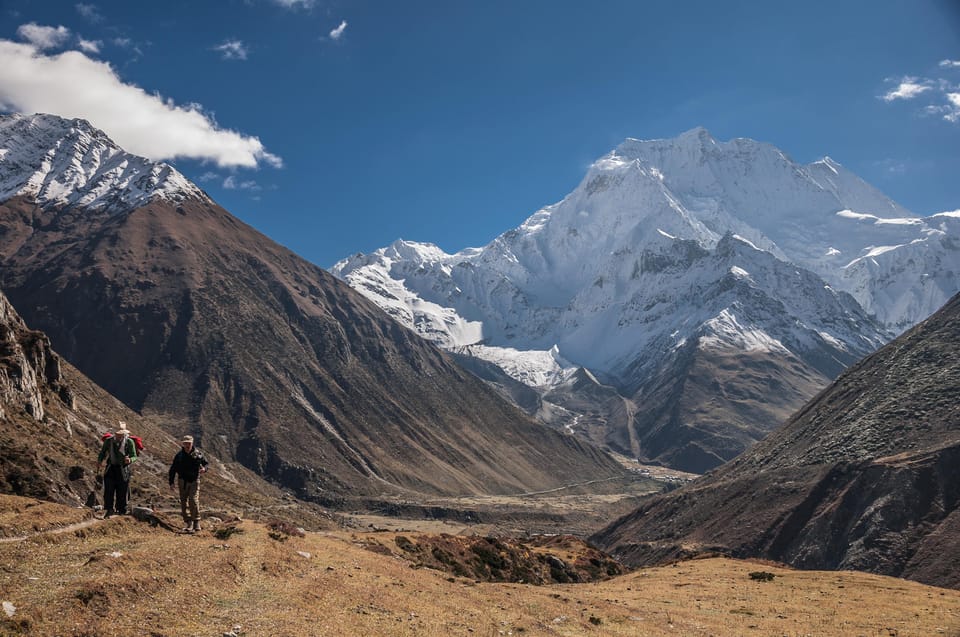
536	368
726	331
860	216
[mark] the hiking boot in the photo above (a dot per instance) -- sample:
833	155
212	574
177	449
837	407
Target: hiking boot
187	529
196	525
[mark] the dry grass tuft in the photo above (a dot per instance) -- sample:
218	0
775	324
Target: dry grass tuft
21	516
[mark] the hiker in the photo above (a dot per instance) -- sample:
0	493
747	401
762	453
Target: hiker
189	463
118	452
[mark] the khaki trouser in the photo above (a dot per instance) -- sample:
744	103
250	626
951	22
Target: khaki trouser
189	496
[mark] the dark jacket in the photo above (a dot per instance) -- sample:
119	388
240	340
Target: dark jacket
187	465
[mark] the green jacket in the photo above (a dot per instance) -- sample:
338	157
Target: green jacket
111	451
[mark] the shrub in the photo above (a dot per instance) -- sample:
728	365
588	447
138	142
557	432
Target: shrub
225	532
281	527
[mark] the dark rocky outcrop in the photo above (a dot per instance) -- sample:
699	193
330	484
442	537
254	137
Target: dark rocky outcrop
28	365
31	378
866	476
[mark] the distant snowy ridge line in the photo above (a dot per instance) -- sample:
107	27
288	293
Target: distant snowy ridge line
721	326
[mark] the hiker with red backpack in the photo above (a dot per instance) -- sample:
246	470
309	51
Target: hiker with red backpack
188	464
119	452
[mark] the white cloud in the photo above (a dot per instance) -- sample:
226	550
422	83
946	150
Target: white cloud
952	113
232	50
337	33
127	43
941	95
294	4
43	37
908	89
90	46
71	84
89	11
231	183
892	166
208	176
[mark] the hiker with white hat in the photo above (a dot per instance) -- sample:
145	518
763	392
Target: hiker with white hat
118	452
188	464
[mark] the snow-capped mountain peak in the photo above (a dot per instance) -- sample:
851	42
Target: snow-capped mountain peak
704	283
80	165
590	269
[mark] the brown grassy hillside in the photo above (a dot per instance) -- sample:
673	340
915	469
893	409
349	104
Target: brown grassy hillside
123	577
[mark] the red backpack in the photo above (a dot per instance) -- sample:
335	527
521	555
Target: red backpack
137	441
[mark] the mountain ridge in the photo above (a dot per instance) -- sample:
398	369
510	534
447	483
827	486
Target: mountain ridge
183	311
864	477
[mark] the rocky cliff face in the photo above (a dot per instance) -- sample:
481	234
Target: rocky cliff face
51	419
866	476
29	368
187	314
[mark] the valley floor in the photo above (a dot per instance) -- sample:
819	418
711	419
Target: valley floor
579	510
125	577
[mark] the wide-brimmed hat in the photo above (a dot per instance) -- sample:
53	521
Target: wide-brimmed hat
186	439
122	430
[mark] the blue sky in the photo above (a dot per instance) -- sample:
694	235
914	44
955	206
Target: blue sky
338	127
